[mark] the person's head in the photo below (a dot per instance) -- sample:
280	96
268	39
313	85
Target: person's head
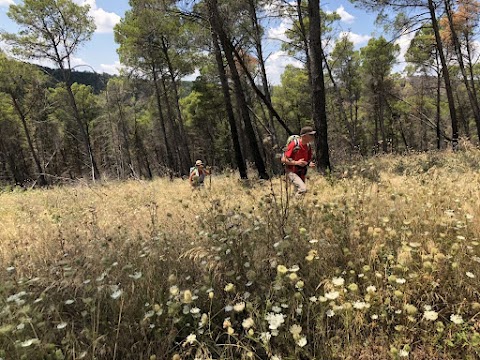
199	163
307	133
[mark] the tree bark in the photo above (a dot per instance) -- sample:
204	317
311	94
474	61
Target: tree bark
319	113
41	177
446	75
239	94
242	167
458	49
185	150
161	118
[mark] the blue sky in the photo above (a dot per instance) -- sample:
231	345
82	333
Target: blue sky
100	52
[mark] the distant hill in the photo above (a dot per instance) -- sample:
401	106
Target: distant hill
96	80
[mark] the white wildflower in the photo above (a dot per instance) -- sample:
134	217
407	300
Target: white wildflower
430	315
332	295
403	353
338	281
275	320
239	307
190	339
456	319
136	275
248	323
29	342
360	305
295	330
302	341
265	337
116	294
62	325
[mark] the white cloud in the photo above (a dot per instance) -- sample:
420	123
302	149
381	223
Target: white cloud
344	15
192	77
105	21
356	39
112	69
278	33
6	2
404	43
276	8
276	63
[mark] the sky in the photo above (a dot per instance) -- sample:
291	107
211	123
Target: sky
100	52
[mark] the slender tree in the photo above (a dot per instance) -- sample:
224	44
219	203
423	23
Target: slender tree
15	79
53	30
217	24
319	112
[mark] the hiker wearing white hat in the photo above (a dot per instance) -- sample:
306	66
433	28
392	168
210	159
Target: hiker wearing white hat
197	174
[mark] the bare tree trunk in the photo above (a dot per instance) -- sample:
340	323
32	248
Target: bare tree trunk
303	32
161	118
177	143
41	177
242	167
458	49
446	75
239	94
185	150
258	45
438	108
319	112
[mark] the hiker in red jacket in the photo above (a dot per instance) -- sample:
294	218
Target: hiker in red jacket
298	158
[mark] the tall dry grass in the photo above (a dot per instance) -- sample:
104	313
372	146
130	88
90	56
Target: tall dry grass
379	260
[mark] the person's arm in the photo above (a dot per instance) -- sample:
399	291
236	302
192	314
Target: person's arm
287	155
190	178
311	163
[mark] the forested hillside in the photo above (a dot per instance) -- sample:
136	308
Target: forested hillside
59	125
97	81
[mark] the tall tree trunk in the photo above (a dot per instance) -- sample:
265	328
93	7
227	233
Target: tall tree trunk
140	148
275	166
176	144
381	120
438	110
239	94
41	176
458	49
66	73
446	75
125	141
242	167
161	118
185	150
303	33
470	64
261	61
319	112
267	103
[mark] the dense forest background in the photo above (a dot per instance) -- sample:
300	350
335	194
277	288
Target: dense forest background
61	125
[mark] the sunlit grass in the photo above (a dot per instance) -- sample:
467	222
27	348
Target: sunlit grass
379	261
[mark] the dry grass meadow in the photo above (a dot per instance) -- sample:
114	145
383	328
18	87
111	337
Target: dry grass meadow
379	261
